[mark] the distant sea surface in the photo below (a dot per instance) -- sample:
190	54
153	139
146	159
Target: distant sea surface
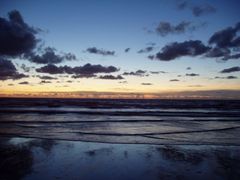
185	122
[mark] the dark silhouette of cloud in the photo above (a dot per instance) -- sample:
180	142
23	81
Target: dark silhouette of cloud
25	68
136	73
127	50
24	83
10	84
88	70
182	5
174	80
197	9
151	57
83	76
158	72
218	52
192	74
146	50
186	48
188	68
230	70
203	9
45	82
94	50
9	71
231	77
228	77
235	56
146	84
226	38
123	82
49	56
47	77
16	37
164	28
111	77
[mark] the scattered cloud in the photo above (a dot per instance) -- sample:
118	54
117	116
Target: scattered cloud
203	9
136	73
127	50
9	71
123	82
192	74
25	68
158	72
146	84
94	50
47	77
186	48
174	80
230	70
111	77
24	83
231	77
197	9
164	28
226	38
188	68
16	37
146	50
45	82
88	70
218	52
49	56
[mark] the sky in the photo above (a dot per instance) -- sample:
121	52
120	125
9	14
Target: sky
111	48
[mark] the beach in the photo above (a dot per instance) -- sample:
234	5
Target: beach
119	139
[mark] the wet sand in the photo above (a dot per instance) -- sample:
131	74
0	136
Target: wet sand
28	158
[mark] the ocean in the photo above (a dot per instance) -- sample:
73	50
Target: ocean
131	121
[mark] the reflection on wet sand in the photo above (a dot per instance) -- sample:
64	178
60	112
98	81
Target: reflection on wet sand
23	158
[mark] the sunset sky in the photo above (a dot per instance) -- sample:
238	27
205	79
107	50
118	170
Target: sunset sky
152	47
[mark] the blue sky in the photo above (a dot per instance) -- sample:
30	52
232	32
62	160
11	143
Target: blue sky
74	26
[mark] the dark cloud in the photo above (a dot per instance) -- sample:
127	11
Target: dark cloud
10	84
235	56
111	77
182	5
151	57
49	56
24	83
186	48
197	10
218	52
123	82
228	77
203	9
69	81
16	36
25	68
231	77
88	70
164	28
83	76
146	50
230	70
146	84
192	74
94	50
174	80
188	68
158	72
46	77
9	71
226	38
45	82
127	50
136	73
